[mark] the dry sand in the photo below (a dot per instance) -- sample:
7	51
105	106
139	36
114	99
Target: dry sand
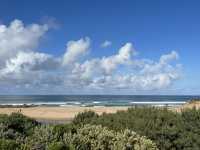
58	113
67	113
189	105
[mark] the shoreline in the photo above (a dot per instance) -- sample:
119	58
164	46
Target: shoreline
58	114
93	104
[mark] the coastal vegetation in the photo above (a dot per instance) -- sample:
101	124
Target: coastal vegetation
138	128
168	129
18	132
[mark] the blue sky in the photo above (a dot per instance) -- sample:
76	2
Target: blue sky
154	28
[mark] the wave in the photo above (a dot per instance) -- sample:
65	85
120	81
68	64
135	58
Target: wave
73	103
159	103
95	103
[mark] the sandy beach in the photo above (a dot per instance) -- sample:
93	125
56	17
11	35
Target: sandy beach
67	113
58	113
188	105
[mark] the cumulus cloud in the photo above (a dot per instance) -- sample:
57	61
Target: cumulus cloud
75	49
169	57
16	37
21	65
149	75
106	44
30	61
106	65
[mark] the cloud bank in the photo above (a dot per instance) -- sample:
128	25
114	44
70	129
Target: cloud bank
23	67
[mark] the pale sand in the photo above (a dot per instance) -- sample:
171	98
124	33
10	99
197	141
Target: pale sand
69	112
58	113
189	105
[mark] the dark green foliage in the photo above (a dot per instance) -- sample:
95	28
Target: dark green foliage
168	129
58	146
17	122
13	130
8	145
18	132
60	129
92	137
85	117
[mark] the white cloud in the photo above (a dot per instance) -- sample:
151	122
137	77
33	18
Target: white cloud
123	57
168	57
148	75
106	44
29	68
21	65
16	37
106	65
75	49
30	61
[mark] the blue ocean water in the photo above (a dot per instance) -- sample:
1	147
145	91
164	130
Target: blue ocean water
95	100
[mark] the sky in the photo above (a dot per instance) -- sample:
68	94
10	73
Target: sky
100	47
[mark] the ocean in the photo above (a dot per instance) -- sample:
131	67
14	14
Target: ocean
95	100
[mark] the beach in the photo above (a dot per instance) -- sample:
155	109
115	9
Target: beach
67	113
58	113
189	105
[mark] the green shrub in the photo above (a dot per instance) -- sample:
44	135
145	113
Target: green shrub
84	117
58	146
60	129
41	137
87	137
169	130
153	126
15	134
17	122
91	137
8	145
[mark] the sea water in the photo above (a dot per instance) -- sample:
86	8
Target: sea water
95	100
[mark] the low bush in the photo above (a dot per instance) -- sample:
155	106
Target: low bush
58	146
17	122
152	127
91	137
169	130
84	117
14	129
60	129
8	144
41	137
